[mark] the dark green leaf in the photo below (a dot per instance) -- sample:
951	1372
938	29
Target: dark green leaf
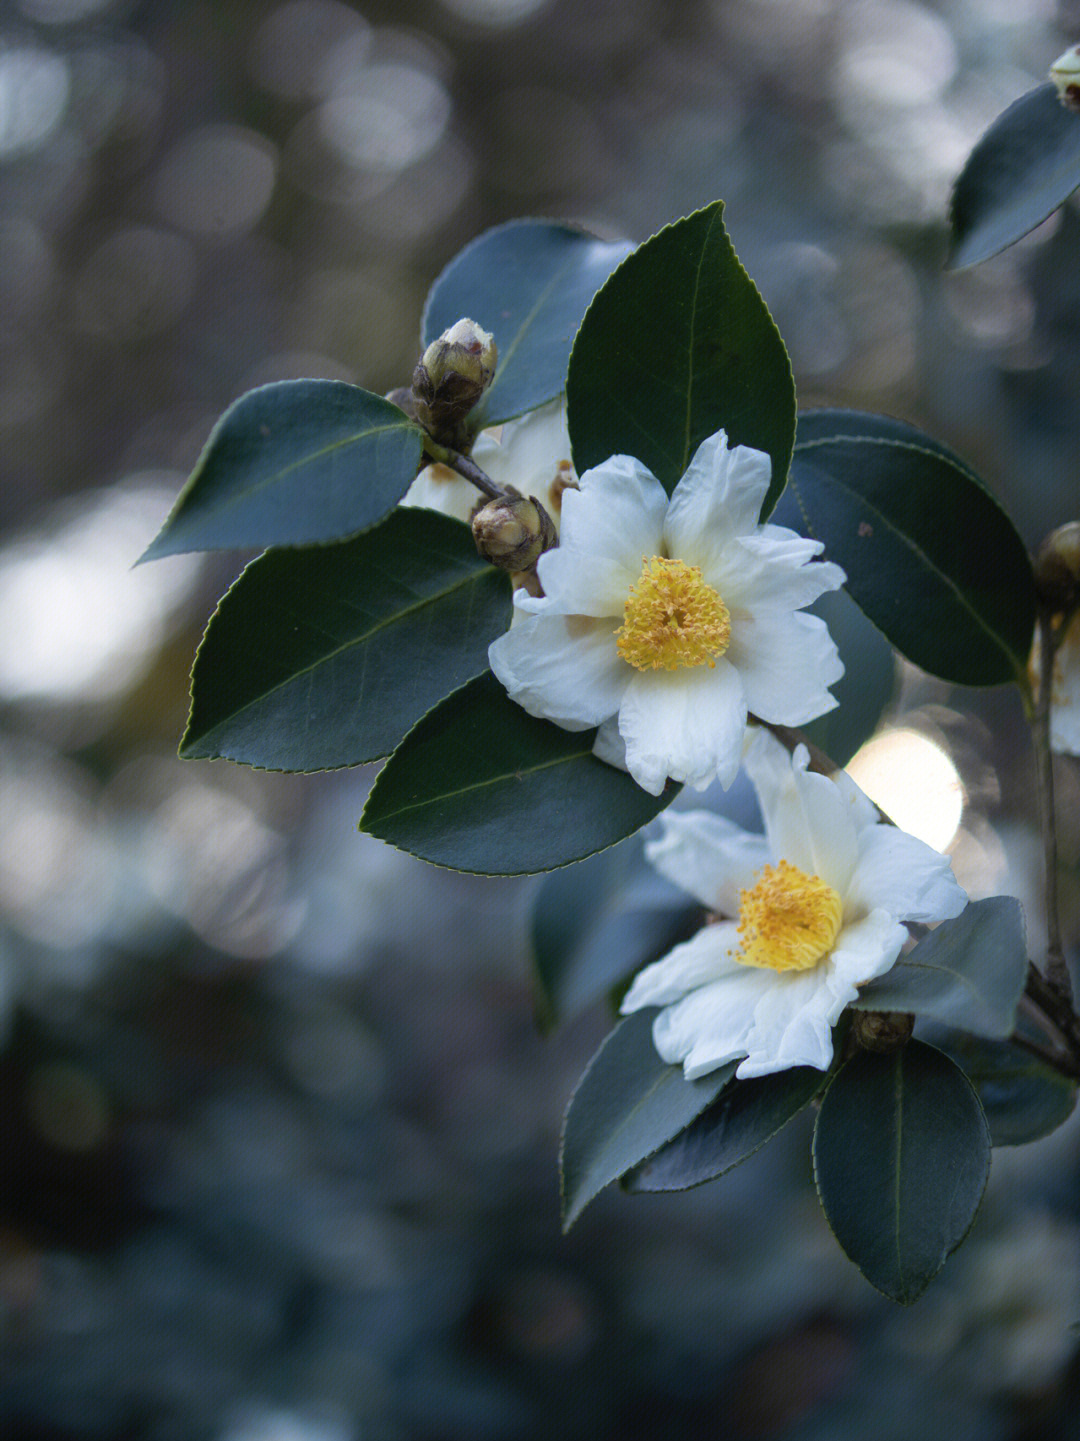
596	923
901	1158
1021	170
676	346
627	1104
528	282
968	972
326	657
867	683
1023	1099
739	1122
834	424
930	556
480	785
293	463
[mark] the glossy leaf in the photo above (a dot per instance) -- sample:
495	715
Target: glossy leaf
866	686
480	785
1019	172
832	424
968	972
1023	1100
326	657
293	463
627	1104
529	283
739	1122
596	923
677	345
930	556
901	1159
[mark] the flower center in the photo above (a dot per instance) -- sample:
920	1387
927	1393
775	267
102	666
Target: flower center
672	618
788	921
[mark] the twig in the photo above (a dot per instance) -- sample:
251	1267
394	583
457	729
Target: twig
1057	971
464	467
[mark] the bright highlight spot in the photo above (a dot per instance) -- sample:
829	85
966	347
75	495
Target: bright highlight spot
672	618
788	921
914	782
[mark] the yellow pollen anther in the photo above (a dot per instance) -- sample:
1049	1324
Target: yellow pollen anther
788	921
672	618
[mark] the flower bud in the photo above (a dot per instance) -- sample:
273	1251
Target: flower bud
1057	569
452	375
513	532
881	1030
1065	73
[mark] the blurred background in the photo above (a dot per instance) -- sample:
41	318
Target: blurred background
278	1135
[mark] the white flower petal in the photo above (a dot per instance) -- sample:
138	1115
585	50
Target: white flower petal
437	487
863	809
714	1021
773	570
787	662
718	498
904	876
807	820
608	526
793	1024
709	856
562	668
699	961
533	455
687	724
865	949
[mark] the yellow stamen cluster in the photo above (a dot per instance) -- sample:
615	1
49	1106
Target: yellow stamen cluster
788	921
672	618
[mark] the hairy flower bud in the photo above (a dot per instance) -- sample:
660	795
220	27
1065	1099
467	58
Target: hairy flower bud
881	1030
1065	73
1057	568
513	532
451	376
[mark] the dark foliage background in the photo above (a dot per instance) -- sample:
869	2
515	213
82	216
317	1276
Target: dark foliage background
278	1133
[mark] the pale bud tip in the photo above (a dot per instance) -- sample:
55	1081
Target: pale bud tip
1065	73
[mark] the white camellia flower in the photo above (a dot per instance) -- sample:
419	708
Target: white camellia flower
814	911
532	454
664	621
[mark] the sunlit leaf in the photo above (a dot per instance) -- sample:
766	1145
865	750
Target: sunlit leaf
528	282
901	1159
326	657
293	463
677	345
1020	171
627	1104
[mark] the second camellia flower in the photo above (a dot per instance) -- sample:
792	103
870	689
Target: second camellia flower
811	910
663	622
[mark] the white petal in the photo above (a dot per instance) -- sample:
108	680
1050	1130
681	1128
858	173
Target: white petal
697	962
787	662
608	526
709	856
807	819
533	455
792	1024
718	498
709	1027
610	747
904	876
437	487
773	570
562	668
865	949
687	724
863	809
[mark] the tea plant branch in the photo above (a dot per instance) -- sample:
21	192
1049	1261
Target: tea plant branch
465	467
